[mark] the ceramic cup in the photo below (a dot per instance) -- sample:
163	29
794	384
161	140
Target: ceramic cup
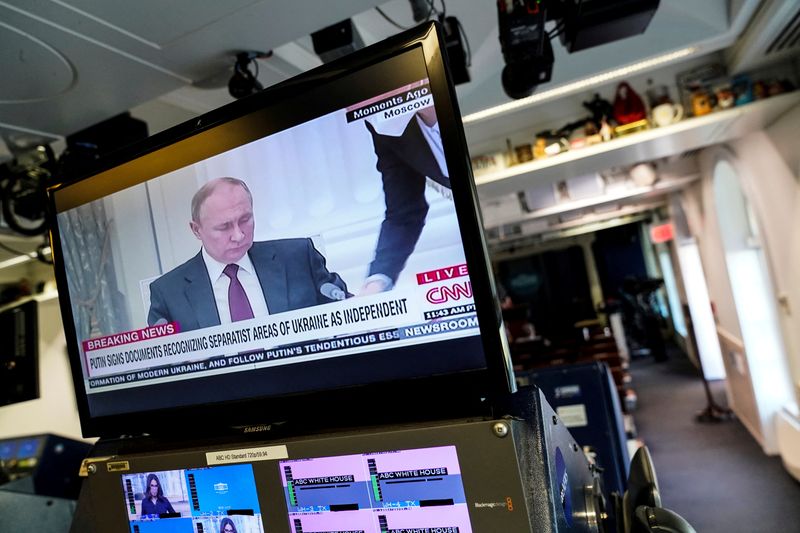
666	114
643	174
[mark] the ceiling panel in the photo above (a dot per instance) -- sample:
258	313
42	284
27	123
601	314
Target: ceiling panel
106	81
156	21
83	61
53	74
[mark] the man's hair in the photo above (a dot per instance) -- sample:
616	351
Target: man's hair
205	191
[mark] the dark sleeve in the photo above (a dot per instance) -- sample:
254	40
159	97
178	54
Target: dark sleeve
158	305
168	506
406	208
320	273
147	507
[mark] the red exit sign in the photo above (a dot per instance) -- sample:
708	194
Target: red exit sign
662	233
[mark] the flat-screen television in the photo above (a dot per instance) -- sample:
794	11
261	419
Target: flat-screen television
19	352
311	252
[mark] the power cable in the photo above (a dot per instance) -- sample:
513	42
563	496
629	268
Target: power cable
11	250
555	32
432	10
390	21
466	42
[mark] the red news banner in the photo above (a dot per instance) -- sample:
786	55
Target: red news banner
127	337
442	274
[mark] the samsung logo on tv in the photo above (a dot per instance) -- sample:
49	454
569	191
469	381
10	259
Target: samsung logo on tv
257	428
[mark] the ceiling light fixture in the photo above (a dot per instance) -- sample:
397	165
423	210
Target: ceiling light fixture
578	85
24	258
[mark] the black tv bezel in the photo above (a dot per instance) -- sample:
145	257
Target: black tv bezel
418	398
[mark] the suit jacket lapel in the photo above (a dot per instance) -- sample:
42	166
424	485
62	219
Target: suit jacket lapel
200	293
271	274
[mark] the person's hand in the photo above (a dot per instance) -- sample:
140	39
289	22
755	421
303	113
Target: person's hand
374	286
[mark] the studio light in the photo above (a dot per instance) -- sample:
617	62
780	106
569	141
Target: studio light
526	46
579	24
336	40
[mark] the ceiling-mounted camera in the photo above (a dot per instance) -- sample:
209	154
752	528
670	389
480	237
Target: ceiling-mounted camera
526	46
23	186
580	24
244	81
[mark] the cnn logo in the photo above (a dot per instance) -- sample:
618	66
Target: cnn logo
448	293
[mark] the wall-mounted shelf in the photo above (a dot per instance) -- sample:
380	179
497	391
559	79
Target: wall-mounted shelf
632	194
689	134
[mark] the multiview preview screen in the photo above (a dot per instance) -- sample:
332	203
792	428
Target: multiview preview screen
219	499
406	491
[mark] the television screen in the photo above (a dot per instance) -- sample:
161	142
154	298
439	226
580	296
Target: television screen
321	236
220	499
19	353
407	490
21	449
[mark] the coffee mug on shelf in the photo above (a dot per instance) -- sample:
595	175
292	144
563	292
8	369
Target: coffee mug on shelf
666	114
643	174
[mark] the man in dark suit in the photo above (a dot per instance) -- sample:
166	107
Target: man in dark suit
233	278
405	163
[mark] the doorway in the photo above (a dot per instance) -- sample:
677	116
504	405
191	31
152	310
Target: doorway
753	294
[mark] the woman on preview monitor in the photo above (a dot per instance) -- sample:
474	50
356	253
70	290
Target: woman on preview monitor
154	501
227	526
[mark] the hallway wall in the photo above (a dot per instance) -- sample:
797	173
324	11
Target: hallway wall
770	170
768	164
783	135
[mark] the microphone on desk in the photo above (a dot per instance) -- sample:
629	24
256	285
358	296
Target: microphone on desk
332	292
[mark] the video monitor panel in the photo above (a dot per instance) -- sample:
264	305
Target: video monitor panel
19	353
407	490
8	450
220	499
318	238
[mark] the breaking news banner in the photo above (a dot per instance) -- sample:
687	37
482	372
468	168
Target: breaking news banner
355	325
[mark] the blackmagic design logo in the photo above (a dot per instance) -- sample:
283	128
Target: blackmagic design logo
562	482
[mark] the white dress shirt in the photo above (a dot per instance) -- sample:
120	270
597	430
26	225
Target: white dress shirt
247	277
434	139
395	127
